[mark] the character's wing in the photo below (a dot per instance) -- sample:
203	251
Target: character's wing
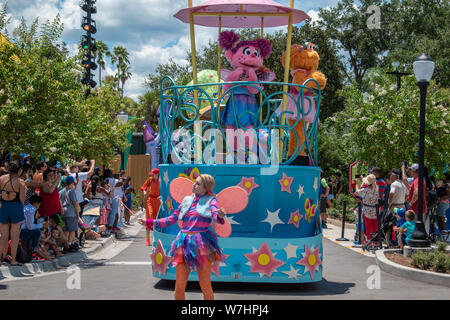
233	199
222	230
224	74
180	188
265	74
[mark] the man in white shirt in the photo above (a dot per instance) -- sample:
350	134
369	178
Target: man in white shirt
399	192
79	177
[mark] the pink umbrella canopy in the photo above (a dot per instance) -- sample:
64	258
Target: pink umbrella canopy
241	6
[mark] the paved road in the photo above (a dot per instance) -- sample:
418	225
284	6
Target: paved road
124	272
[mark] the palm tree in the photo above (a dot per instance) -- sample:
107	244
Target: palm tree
121	57
125	74
102	51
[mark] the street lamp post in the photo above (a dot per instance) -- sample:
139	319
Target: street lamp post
122	118
398	74
423	71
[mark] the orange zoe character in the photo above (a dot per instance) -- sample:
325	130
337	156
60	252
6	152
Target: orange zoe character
152	198
303	66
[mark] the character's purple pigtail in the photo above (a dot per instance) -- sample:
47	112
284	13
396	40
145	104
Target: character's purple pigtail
265	46
228	39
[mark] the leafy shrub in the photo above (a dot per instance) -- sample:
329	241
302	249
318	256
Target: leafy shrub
441	246
422	260
338	208
441	262
438	261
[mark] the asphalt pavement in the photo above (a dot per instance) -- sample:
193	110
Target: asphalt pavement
123	272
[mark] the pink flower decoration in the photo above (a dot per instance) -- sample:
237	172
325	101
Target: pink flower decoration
311	260
215	267
248	184
262	261
160	260
285	183
295	218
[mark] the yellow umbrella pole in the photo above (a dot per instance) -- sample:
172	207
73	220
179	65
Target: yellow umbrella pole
260	95
197	124
218	70
286	76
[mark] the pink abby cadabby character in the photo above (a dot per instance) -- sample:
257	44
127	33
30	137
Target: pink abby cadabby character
246	58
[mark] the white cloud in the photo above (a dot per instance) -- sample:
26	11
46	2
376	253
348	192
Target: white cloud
146	28
314	14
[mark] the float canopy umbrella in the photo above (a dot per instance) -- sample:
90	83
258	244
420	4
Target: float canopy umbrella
241	14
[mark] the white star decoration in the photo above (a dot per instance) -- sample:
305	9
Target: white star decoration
231	220
293	273
315	184
166	177
273	218
248	262
291	251
300	191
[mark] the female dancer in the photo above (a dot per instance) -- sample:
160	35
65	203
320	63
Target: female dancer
195	246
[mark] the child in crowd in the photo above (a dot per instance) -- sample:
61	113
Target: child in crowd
400	215
71	211
55	236
47	243
127	199
195	247
363	230
31	226
54	223
407	229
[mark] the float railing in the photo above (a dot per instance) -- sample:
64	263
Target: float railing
193	131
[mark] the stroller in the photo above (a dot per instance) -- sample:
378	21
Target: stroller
387	221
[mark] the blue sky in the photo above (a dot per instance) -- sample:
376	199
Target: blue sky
146	28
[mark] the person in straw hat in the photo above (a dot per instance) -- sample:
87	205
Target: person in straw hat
369	195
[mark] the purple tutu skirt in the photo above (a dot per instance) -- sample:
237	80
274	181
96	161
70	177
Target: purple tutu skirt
196	250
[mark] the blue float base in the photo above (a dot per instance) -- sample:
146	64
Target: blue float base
282	215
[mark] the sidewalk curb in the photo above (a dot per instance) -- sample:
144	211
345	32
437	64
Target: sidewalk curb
430	277
27	270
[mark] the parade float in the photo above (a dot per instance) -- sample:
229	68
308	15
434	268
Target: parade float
273	232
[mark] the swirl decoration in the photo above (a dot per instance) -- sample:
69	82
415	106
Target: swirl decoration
181	116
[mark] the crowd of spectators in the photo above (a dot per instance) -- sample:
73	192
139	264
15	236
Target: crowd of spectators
398	194
50	210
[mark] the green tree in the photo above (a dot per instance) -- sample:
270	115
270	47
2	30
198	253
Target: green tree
361	45
42	105
179	73
381	126
420	26
121	57
125	74
101	53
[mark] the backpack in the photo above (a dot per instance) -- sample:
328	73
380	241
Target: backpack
24	254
